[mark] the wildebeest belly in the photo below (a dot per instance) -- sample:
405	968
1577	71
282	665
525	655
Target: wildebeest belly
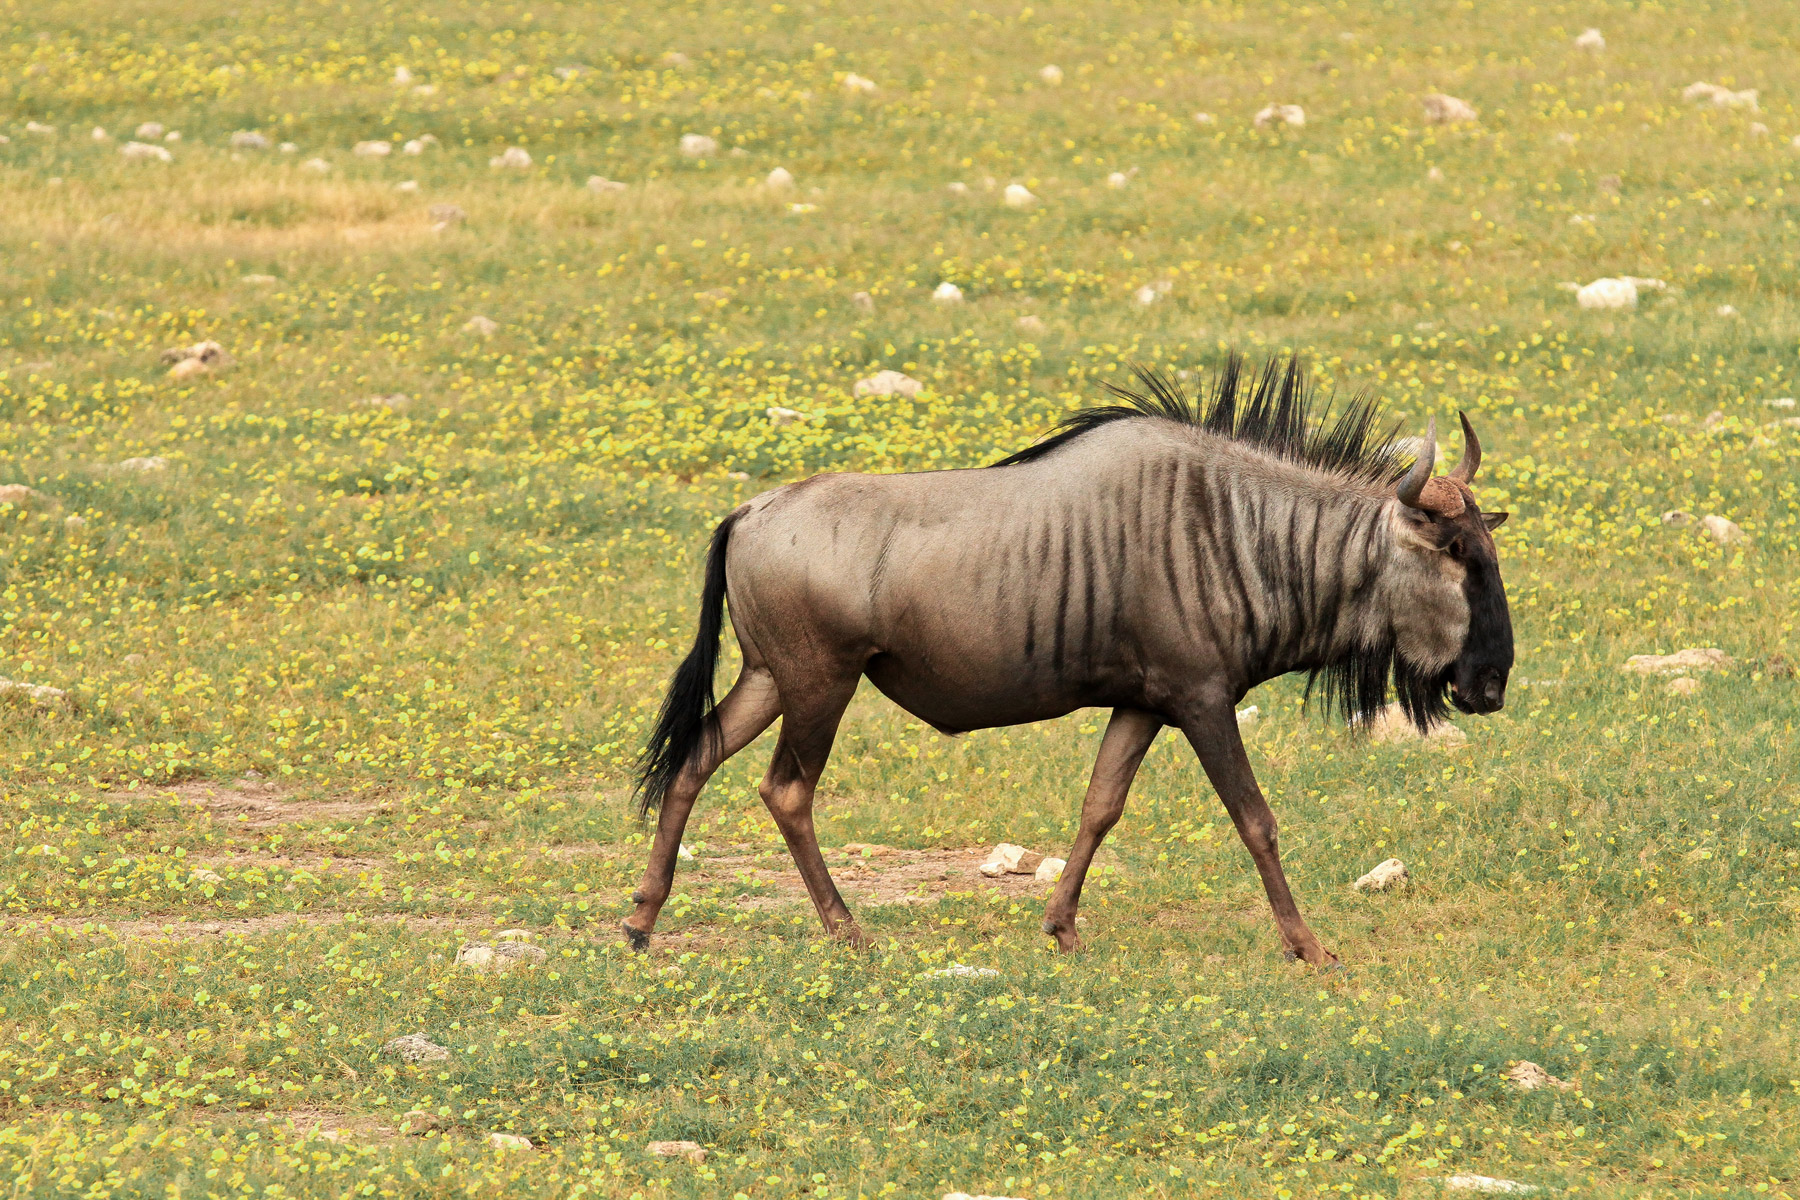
954	695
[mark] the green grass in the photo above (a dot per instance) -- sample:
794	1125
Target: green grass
437	631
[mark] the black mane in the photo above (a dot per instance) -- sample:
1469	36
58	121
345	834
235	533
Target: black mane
1275	416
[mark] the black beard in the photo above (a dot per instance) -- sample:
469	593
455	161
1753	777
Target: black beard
1357	686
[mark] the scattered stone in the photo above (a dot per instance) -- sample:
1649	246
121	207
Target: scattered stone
407	185
698	145
1487	1183
863	301
960	971
694	1152
1621	292
1591	40
74	521
154	462
888	383
1050	870
1723	531
36	696
149	131
1051	74
803	207
210	353
957	188
1781	402
947	293
249	139
780	179
1683	685
515	158
740	476
675	58
513	935
485	956
1701	659
1435	175
1721	97
1117	179
1279	114
480	325
1248	716
449	214
571	71
599	183
415	1048
372	149
19	494
1527	1076
1008	859
1448	110
1031	324
393	400
260	280
856	83
39	127
1679	518
682	853
284	148
402	76
1017	195
1758	129
781	417
205	875
1392	724
508	1141
1726	310
1389	874
1205	118
145	152
317	166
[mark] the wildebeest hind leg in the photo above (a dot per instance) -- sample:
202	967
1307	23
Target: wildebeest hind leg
748	708
1127	739
808	727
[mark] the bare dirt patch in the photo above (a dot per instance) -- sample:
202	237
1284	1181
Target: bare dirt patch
870	876
256	804
185	928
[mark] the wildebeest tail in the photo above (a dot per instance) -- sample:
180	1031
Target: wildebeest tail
686	719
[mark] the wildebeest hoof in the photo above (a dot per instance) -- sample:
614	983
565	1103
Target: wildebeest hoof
637	938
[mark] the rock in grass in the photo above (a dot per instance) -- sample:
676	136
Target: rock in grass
888	383
1487	1183
481	326
963	971
1448	110
372	149
154	462
1031	324
1389	874
599	183
1017	195
515	158
197	359
1709	658
249	139
416	1048
449	214
694	1152
947	293
149	131
1591	40
1050	870
489	956
1527	1076
1392	724
37	697
1008	859
19	495
144	150
508	1141
1721	530
1279	114
1680	518
781	417
697	145
1683	685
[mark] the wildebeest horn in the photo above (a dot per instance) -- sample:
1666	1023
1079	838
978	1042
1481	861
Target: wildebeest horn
1471	459
1408	489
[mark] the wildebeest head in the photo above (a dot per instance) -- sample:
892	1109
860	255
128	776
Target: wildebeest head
1453	629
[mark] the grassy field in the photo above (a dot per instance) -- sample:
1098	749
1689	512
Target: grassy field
356	673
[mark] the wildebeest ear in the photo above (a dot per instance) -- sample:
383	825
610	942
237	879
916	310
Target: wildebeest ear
1494	520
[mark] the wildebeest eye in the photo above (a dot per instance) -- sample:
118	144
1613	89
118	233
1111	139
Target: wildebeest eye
1455	549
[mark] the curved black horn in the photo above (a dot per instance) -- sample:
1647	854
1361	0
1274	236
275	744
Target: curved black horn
1471	459
1408	488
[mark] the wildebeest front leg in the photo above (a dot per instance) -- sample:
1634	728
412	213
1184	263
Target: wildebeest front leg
747	709
1214	736
808	727
1128	737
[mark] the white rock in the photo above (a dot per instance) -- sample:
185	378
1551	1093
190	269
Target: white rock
698	145
39	127
1051	74
1391	873
413	146
451	214
37	696
501	956
569	72
780	179
508	1141
1722	97
19	495
683	853
957	188
1248	716
513	158
1527	1076
99	134
1050	870
203	875
149	131
1609	292
372	149
1448	110
1279	114
154	462
316	165
144	151
863	301
407	185
209	353
857	84
402	76
1709	658
599	183
1683	685
1392	724
888	383
1781	402
1008	859
1017	195
1591	39
692	1151
802	207
284	148
1487	1183
1435	175
1680	518
1725	310
781	417
480	325
248	139
1757	129
959	971
1205	118
1117	179
1030	323
425	89
1721	530
947	293
1146	295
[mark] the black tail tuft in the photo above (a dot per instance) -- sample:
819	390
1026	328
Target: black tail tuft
686	719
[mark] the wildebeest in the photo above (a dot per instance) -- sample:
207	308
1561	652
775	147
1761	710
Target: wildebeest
1154	557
